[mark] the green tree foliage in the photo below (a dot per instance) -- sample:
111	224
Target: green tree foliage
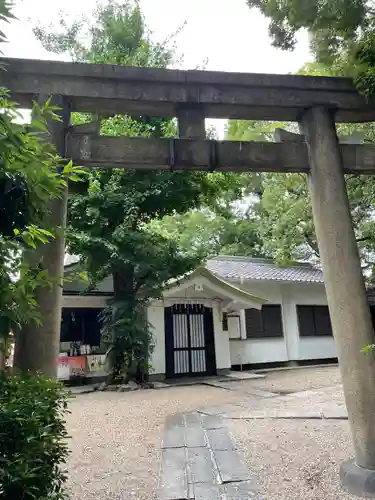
284	225
205	233
333	24
341	33
110	224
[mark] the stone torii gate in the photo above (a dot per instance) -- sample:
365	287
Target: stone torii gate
191	96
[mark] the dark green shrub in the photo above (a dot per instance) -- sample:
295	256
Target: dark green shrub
33	444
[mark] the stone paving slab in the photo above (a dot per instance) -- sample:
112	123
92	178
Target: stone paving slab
219	440
192	419
232	491
195	437
245	490
230	467
200	466
175	420
339	413
174	437
334	413
206	491
232	386
212	422
218	410
243	375
173	476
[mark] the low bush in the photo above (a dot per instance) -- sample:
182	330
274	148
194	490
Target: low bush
33	438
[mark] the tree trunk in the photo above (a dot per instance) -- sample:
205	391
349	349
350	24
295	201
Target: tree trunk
37	346
123	307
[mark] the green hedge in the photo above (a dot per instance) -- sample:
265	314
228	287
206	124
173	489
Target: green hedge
33	444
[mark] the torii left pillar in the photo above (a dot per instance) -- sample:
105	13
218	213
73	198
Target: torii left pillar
37	346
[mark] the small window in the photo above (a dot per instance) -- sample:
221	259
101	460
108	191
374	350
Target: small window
81	325
225	322
314	321
266	322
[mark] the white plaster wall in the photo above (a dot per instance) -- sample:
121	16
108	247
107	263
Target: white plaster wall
271	291
222	352
291	347
257	351
155	316
316	348
235	326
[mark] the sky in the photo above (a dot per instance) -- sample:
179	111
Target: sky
224	34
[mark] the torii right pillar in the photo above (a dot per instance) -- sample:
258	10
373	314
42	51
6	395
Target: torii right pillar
346	293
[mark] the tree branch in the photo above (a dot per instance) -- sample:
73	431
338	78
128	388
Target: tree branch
312	245
364	238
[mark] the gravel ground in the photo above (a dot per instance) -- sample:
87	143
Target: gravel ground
300	379
293	459
116	439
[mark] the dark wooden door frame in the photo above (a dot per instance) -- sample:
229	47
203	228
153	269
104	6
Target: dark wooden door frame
209	340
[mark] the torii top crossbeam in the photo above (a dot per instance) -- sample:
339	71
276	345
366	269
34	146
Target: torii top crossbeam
159	92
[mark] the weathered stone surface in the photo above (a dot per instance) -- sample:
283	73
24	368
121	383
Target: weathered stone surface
159	92
111	387
217	410
193	419
212	422
230	467
219	439
207	491
244	375
101	386
133	386
200	466
174	437
173	483
339	413
195	437
201	472
176	420
160	385
357	480
124	388
182	154
345	288
244	490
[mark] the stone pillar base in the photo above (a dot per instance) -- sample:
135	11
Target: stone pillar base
357	480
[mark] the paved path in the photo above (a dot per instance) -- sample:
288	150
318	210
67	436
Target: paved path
199	459
200	462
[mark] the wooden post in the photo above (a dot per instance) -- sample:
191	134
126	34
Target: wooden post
346	293
37	346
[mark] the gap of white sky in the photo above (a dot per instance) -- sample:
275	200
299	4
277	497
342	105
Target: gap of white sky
227	34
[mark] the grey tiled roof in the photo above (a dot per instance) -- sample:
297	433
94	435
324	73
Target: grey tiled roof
261	269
